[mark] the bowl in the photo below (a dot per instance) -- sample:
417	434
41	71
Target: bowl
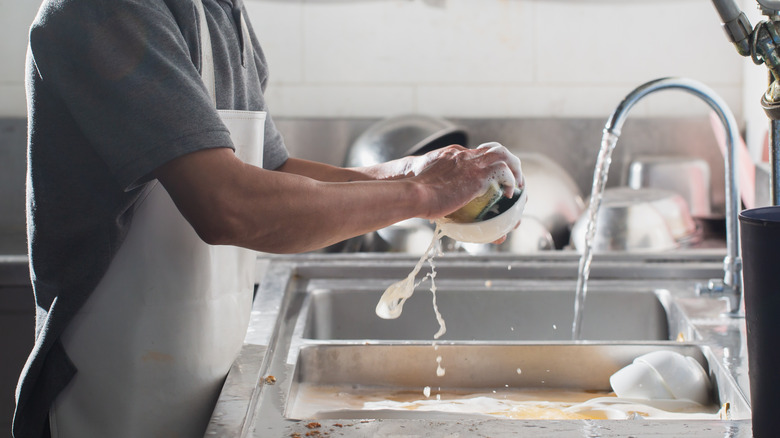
639	220
688	177
410	236
663	375
639	380
492	227
529	237
401	136
683	375
556	202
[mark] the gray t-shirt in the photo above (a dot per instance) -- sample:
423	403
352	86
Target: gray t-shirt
114	92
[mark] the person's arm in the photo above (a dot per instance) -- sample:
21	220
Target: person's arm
327	173
230	202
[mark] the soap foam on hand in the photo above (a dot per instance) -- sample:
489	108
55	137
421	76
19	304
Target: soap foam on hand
502	182
492	215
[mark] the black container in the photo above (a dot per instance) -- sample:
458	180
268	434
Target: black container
760	237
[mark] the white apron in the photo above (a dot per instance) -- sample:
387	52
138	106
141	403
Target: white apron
156	338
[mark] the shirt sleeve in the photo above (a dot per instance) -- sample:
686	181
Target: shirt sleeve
124	71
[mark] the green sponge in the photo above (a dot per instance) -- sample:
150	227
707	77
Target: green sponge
476	209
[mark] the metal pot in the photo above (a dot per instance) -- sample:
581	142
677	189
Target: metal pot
689	177
398	137
639	220
412	236
401	136
553	197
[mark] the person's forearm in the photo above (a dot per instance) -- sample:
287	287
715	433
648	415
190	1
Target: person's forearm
324	172
284	212
304	206
301	214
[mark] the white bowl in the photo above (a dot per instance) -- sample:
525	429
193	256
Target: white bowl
488	230
639	380
662	375
683	375
530	236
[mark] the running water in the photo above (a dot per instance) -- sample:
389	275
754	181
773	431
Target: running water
608	142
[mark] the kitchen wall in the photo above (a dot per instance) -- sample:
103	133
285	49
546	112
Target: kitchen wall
464	58
469	58
489	58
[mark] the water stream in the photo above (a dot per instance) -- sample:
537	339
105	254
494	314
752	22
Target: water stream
608	142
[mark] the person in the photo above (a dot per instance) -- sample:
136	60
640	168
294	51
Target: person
154	171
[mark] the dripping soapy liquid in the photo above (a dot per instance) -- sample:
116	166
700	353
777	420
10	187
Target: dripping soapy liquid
391	304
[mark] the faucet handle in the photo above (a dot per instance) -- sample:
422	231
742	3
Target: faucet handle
718	288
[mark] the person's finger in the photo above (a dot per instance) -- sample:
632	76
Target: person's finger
510	173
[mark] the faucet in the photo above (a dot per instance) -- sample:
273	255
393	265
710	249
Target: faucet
731	284
762	45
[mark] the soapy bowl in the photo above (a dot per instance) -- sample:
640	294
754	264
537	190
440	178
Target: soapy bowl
493	226
661	375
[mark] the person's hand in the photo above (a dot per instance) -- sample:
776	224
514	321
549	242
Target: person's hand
453	176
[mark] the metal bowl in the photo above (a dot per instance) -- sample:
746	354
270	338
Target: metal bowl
553	197
411	236
398	137
401	136
689	177
639	220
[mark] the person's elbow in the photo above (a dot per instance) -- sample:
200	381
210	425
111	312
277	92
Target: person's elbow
219	224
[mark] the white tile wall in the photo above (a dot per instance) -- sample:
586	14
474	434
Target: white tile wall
489	58
462	58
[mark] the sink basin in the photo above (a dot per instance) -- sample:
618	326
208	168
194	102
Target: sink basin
487	314
332	381
315	340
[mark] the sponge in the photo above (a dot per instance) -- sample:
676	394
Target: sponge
476	209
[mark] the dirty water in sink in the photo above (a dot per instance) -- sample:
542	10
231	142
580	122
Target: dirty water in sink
519	404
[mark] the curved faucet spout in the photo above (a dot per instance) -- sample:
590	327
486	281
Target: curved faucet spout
732	264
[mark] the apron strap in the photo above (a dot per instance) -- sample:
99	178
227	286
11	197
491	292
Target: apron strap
206	54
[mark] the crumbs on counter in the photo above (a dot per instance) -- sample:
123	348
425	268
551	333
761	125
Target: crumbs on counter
313	425
270	380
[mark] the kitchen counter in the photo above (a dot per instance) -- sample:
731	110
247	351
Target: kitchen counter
254	401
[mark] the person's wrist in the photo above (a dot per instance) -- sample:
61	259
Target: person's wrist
418	197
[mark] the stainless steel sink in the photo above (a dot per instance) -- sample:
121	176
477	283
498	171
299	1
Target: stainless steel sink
314	326
343	370
488	314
